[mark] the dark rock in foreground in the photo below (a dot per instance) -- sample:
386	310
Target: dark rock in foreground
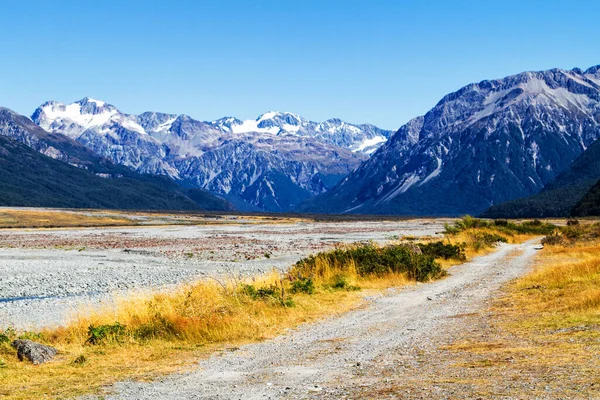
37	353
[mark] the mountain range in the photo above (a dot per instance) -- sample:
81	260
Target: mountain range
271	164
520	146
485	144
38	168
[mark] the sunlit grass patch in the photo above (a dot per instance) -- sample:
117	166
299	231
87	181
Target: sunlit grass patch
547	324
18	218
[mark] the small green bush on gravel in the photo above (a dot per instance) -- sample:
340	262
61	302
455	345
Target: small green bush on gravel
268	293
482	240
443	250
341	282
369	259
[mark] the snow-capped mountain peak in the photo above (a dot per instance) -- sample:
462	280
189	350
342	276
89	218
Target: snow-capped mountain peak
357	138
272	122
74	118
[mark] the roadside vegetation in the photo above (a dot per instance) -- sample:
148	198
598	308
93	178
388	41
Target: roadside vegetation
544	333
477	235
150	334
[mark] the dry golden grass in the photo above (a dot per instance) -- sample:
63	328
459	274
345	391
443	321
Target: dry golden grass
564	289
56	218
17	218
544	332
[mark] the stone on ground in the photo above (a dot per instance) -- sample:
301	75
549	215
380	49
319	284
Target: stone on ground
37	353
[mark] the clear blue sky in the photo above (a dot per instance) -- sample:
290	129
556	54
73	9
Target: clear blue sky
382	62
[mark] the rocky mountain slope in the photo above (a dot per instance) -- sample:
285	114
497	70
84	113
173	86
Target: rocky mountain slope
363	138
38	168
558	197
485	144
272	163
589	205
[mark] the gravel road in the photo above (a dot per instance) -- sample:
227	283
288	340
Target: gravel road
326	359
48	274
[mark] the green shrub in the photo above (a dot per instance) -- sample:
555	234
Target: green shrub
260	293
482	240
553	240
466	222
340	282
535	227
372	260
440	249
272	293
80	360
303	285
451	230
35	336
8	335
4	338
104	333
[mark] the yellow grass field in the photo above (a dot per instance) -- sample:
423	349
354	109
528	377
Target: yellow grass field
544	333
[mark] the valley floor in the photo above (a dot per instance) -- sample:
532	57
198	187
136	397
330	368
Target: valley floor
47	274
517	322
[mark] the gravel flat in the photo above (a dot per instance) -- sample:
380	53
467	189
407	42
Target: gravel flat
325	360
48	274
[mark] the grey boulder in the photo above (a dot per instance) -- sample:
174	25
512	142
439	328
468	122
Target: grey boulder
37	353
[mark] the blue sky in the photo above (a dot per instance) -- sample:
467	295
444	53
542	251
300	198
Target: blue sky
382	62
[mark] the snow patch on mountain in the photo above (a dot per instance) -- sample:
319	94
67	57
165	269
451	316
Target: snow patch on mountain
73	114
368	146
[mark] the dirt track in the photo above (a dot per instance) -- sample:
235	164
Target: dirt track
334	358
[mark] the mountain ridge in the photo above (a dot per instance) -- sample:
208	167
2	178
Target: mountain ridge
221	156
50	169
484	144
559	196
